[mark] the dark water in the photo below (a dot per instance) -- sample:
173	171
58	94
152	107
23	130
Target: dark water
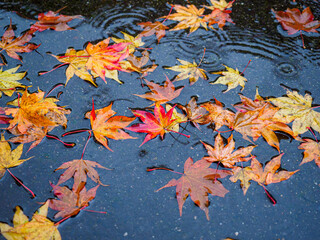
135	210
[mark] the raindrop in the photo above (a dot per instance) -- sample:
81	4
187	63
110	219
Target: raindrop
287	69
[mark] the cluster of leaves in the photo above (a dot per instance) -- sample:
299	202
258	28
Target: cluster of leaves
34	115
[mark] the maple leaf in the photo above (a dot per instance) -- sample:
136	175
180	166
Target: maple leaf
51	20
70	203
36	110
188	17
248	104
188	70
197	181
293	21
193	111
13	45
311	151
161	94
8	158
40	227
137	64
9	81
225	154
216	114
104	58
79	169
257	119
104	125
135	42
232	78
219	17
262	176
297	108
77	61
150	28
153	125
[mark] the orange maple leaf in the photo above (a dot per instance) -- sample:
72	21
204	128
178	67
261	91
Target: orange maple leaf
150	28
311	151
13	45
197	181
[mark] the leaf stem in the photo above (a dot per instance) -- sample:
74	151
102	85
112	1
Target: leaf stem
245	67
42	73
25	187
313	133
168	14
271	198
64	143
86	145
188	136
58	85
75	131
204	51
162	168
302	39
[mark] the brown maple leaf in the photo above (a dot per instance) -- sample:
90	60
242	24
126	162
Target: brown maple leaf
51	20
13	45
161	94
193	111
150	28
217	115
104	125
188	17
225	154
198	181
293	21
311	151
70	203
79	169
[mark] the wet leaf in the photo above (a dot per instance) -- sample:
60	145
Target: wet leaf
161	94
104	125
135	42
311	151
198	181
52	20
153	125
150	28
297	108
232	78
188	17
13	45
9	81
40	227
188	70
225	154
8	158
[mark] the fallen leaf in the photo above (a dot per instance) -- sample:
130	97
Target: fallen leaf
161	94
218	16
79	169
70	203
104	58
9	81
8	158
244	175
224	153
149	28
221	5
188	70
216	115
4	119
40	227
52	20
311	151
104	125
198	181
13	45
188	17
297	108
232	78
178	118
153	125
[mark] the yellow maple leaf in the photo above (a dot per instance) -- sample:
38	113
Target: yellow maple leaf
297	108
9	81
39	228
178	118
188	70
188	17
8	158
232	78
77	65
221	5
